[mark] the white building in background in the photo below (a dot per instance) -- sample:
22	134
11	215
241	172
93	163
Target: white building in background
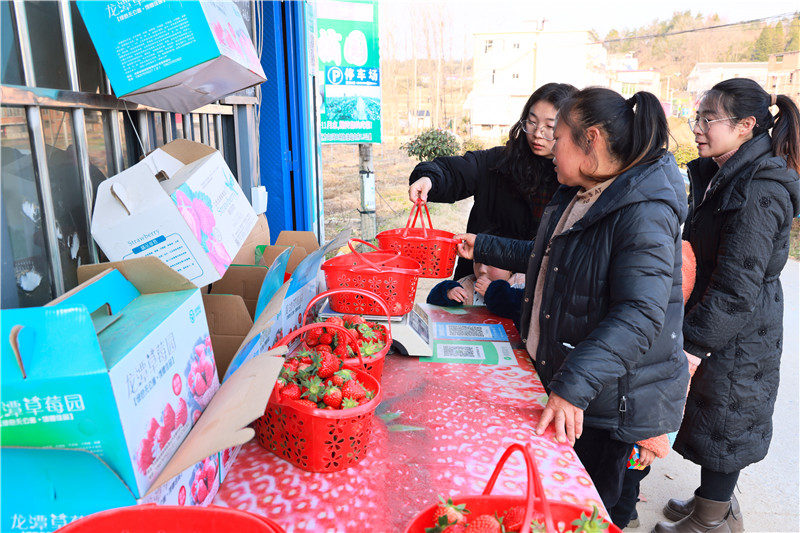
705	75
509	65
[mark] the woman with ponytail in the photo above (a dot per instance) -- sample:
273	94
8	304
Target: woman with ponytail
744	194
603	308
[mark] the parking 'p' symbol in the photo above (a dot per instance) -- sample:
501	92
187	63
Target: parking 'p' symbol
335	75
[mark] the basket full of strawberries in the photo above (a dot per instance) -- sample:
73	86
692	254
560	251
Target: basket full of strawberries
490	513
373	338
319	415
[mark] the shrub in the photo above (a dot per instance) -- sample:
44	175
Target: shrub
685	153
431	144
471	145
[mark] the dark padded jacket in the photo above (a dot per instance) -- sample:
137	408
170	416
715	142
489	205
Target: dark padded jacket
739	231
498	206
612	308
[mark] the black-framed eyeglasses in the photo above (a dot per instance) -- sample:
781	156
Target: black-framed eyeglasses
531	128
703	123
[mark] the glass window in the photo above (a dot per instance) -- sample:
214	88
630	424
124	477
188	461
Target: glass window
90	71
26	278
9	48
47	45
67	194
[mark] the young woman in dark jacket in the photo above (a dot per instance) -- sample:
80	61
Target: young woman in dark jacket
510	184
603	307
743	198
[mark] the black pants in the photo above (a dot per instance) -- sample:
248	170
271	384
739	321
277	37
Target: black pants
716	485
624	511
606	461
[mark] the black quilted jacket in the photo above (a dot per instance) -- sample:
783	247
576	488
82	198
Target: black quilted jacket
734	317
612	306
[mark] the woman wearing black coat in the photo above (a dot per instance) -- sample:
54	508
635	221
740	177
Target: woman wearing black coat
603	307
743	199
510	184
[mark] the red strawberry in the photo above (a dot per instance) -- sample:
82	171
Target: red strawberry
347	403
208	371
183	413
162	436
151	429
456	514
333	397
512	521
341	351
328	365
485	523
315	389
323	348
354	390
169	417
291	392
335	320
145	458
326	338
307	403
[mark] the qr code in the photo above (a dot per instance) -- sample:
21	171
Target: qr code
464	331
454	351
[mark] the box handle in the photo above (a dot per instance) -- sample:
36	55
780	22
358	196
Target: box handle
118	191
13	338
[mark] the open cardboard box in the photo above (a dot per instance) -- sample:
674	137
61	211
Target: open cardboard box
175	56
66	483
182	204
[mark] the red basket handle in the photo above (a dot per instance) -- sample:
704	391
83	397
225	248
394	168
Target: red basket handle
302	329
416	209
534	484
381	302
360	257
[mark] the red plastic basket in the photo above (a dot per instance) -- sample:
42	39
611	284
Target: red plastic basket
556	514
318	440
433	249
374	363
386	273
152	518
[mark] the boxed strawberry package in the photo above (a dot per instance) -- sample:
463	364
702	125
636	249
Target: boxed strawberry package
111	397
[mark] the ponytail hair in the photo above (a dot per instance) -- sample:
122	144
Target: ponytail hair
743	97
636	129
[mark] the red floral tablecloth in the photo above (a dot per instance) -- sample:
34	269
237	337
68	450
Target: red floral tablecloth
440	429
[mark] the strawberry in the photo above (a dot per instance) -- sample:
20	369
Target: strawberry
323	348
307	403
456	514
326	338
365	332
485	523
183	413
291	391
333	397
315	389
335	320
512	520
354	390
151	429
347	403
328	364
352	321
341	352
306	358
338	378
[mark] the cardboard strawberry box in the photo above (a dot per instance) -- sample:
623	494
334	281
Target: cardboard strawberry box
182	204
87	449
176	56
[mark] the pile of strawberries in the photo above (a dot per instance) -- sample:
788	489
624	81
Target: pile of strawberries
452	518
370	337
318	380
158	435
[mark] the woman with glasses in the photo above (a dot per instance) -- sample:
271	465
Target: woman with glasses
603	306
510	184
744	195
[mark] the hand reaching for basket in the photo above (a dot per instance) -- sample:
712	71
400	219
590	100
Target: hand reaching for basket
566	418
420	189
466	248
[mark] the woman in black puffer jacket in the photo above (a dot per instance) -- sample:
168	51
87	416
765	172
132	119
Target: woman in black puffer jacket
744	194
603	306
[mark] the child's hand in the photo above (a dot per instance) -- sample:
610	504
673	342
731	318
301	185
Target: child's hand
481	284
646	456
457	294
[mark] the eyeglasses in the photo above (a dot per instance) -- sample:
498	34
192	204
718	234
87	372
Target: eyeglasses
703	122
531	128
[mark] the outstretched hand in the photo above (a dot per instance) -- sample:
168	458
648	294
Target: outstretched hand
566	418
466	247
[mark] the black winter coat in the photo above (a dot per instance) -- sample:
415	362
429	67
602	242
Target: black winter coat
499	207
734	317
612	308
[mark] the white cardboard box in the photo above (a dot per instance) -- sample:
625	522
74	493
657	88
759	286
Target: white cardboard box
182	204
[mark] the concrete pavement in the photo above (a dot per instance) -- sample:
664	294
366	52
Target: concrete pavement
768	491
